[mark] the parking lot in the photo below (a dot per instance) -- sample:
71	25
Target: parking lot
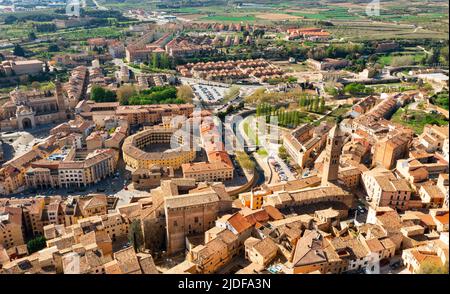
281	169
208	93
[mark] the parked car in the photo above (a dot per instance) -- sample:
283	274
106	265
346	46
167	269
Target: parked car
361	209
396	265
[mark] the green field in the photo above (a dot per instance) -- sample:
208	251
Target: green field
418	119
419	18
387	59
329	14
441	100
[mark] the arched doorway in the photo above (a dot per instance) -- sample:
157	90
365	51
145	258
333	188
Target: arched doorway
26	123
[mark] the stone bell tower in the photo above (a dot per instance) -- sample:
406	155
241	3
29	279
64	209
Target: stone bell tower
60	99
332	154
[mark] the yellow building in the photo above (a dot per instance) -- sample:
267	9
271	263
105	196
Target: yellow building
135	156
432	254
11	227
215	254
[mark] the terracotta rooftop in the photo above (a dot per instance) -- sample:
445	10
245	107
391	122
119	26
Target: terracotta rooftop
239	223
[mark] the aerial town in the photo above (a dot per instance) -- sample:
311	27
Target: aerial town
224	137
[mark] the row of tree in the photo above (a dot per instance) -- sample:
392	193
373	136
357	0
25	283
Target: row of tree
312	103
285	118
129	95
161	61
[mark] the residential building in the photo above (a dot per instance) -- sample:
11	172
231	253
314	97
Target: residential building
189	209
432	196
21	67
433	137
390	149
11	233
215	254
384	189
305	143
421	166
431	254
313	253
261	252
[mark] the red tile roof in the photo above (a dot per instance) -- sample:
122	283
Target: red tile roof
239	223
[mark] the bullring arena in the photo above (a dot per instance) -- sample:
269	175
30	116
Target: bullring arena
136	152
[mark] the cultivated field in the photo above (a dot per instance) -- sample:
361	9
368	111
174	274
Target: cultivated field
277	16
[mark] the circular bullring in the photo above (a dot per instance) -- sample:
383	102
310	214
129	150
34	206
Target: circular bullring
141	149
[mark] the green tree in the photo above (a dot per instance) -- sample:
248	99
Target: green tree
444	56
316	102
164	61
36	244
53	48
355	89
99	94
10	19
185	93
232	93
35	85
282	153
135	236
155	60
333	91
32	36
244	160
433	58
18	50
296	118
322	105
309	103
430	267
301	101
124	93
